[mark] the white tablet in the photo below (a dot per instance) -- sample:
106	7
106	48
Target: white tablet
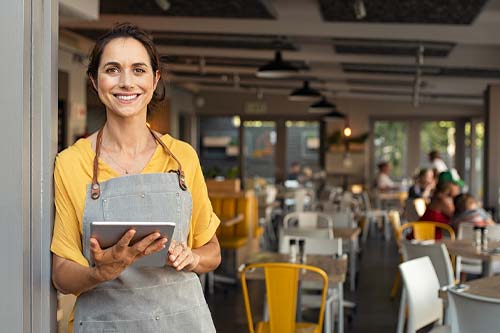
109	233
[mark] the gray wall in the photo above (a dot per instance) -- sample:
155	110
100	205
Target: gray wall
28	95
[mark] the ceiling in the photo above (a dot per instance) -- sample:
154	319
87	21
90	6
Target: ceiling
218	45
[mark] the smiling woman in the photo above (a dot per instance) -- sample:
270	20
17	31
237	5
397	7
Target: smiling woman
128	172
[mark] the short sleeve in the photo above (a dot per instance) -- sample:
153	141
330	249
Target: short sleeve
204	222
66	239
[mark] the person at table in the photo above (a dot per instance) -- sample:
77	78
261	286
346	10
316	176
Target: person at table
383	181
441	208
468	210
436	162
295	171
424	185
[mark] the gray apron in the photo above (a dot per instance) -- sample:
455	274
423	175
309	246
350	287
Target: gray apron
142	299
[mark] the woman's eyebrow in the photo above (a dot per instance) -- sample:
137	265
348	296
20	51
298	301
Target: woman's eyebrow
137	64
112	63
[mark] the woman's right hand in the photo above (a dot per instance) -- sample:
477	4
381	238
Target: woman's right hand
111	262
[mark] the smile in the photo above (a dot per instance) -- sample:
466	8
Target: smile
127	97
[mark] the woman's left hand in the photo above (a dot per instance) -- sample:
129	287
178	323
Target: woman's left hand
181	257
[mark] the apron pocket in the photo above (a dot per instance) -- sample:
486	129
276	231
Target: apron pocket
130	207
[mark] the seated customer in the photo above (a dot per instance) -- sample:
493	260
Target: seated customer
441	207
382	181
467	210
424	184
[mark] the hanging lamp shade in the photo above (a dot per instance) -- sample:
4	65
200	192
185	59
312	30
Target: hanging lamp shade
304	93
322	106
277	68
333	115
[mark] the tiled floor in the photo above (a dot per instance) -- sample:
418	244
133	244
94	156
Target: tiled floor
375	312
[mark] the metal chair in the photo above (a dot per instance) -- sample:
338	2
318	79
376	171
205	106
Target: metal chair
421	286
332	247
425	230
307	220
281	293
474	313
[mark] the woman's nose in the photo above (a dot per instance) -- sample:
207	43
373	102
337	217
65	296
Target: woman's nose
126	79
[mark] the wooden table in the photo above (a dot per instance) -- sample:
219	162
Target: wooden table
335	269
466	248
485	287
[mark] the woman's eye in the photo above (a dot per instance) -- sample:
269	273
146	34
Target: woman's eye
140	70
111	70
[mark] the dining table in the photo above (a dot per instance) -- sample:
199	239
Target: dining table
467	249
484	287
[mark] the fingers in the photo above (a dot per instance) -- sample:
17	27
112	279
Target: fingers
125	240
95	248
183	260
157	246
175	249
144	243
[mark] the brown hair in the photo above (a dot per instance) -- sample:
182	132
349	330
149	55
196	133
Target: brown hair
125	30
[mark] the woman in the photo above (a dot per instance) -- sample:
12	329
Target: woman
128	172
441	207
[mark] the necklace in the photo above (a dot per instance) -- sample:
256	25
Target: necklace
114	161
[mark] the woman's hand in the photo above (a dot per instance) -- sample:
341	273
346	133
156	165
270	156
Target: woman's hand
110	263
181	257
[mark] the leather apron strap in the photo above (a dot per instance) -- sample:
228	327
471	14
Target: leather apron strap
96	188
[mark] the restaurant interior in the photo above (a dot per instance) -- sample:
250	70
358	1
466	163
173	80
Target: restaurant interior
327	131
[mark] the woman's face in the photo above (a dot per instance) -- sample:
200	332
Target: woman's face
125	78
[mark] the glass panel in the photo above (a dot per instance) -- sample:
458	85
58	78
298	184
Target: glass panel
219	145
477	186
260	143
440	136
389	140
302	138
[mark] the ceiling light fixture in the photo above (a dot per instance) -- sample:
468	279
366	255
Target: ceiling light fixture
359	9
333	115
163	4
277	68
304	93
322	106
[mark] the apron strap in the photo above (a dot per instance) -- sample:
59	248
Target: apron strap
95	189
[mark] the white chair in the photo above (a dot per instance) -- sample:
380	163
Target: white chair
319	233
421	286
307	220
331	247
371	215
474	313
441	262
414	209
467	265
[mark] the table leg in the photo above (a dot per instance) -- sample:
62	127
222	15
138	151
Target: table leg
487	268
341	307
352	265
368	221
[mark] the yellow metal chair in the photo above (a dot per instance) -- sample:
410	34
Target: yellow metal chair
395	220
426	230
282	288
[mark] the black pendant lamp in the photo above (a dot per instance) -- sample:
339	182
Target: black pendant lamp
322	106
277	68
334	115
304	93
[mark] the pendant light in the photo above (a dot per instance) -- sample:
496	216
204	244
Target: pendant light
277	68
333	115
322	106
304	93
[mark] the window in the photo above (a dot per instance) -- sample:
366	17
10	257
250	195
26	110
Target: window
390	142
440	136
260	143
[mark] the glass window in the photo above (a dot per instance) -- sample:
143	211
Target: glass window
302	138
260	143
440	136
390	142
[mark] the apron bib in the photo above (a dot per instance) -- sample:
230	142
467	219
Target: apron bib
142	299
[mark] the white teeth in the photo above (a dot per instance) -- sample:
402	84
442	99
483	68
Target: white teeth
126	98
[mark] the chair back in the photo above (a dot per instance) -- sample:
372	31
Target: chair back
474	313
493	232
313	245
395	220
307	220
414	209
465	230
342	219
421	286
438	254
320	233
425	230
281	290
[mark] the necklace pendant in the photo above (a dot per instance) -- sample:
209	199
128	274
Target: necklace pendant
126	172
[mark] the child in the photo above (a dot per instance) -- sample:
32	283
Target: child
467	209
